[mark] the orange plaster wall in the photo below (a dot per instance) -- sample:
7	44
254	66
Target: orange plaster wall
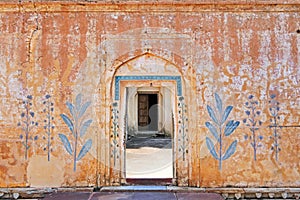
56	49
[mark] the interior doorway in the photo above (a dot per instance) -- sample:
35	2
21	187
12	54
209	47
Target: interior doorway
147	112
149	144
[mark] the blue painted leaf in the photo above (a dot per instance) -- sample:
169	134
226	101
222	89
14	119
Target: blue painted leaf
231	149
84	127
32	114
230	127
68	122
71	108
213	130
226	113
86	147
66	143
218	102
211	148
83	109
212	114
78	102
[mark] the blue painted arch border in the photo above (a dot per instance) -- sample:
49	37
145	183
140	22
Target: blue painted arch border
138	78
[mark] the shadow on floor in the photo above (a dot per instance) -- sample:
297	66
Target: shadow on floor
148	140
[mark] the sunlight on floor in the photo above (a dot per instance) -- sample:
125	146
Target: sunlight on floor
149	162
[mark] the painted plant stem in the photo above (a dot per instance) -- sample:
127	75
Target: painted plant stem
277	149
182	129
219	117
78	128
253	123
274	109
75	151
49	126
48	142
115	132
253	133
27	129
27	124
183	134
220	149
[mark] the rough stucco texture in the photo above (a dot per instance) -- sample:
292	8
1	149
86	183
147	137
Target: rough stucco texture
49	55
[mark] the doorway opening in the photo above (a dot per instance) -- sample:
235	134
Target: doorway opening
147	112
149	136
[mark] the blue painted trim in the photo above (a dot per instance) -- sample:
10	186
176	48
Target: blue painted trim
138	78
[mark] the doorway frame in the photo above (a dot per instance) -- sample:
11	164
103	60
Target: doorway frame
118	140
132	99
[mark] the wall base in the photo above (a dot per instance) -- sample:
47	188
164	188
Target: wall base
227	193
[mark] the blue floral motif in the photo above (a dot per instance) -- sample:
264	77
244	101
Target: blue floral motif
78	128
253	124
219	117
115	135
27	123
183	137
274	110
48	123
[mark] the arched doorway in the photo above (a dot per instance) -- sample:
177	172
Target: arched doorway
151	81
149	132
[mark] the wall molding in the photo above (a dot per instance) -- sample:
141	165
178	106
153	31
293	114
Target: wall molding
177	79
146	7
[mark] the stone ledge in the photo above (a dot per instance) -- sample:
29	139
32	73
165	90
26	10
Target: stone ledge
35	193
227	193
23	193
257	193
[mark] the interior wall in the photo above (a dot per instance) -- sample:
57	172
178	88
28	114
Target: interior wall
168	111
132	111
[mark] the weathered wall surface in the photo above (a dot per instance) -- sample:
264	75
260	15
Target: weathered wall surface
57	67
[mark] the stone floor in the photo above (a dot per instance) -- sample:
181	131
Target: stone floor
137	195
148	162
145	192
149	156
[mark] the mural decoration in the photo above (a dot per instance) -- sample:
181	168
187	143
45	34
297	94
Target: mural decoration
27	123
177	79
253	123
274	109
48	123
182	123
115	135
220	129
78	127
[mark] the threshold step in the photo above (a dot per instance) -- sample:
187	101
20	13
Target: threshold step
133	188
